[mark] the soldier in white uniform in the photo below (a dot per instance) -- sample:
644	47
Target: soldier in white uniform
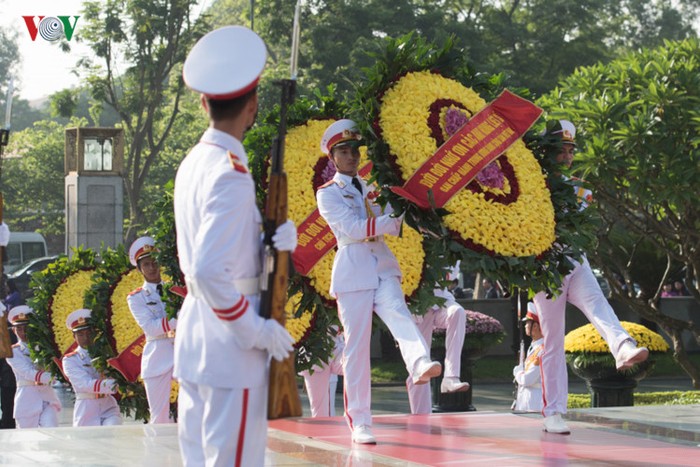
36	404
321	382
527	374
451	317
365	277
149	312
221	357
94	404
581	289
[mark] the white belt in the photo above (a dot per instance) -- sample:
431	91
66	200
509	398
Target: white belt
23	384
344	241
247	286
168	335
81	396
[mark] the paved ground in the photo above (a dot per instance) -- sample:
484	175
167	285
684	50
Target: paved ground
648	435
392	399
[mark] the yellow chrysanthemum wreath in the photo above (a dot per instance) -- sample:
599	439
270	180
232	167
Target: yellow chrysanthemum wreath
68	298
297	327
498	227
587	339
126	329
302	156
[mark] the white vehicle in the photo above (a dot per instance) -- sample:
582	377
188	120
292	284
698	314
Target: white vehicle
23	246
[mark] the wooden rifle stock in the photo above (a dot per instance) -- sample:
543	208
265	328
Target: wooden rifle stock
283	396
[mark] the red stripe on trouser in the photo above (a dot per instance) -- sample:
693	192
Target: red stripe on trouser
369	223
241	429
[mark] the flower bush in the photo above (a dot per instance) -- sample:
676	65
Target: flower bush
586	347
482	331
58	290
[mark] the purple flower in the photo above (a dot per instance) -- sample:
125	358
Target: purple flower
479	323
328	172
491	176
454	120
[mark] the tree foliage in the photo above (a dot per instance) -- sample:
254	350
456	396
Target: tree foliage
33	183
639	120
152	39
9	55
536	43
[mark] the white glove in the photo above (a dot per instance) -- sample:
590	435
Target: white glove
285	237
111	385
4	234
275	339
2	309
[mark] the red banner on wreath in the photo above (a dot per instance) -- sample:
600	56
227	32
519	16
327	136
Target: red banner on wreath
487	135
315	238
128	362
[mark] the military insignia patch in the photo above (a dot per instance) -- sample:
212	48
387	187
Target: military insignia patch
236	163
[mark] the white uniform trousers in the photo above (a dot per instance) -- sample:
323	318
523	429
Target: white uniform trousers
96	412
158	395
222	426
322	383
529	399
320	388
581	289
355	311
46	418
453	319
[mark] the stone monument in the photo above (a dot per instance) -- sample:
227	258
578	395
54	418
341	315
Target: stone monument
94	193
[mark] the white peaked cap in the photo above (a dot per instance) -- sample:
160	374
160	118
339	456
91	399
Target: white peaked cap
226	63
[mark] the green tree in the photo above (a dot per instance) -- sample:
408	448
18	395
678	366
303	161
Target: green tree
33	182
536	43
639	122
148	41
9	55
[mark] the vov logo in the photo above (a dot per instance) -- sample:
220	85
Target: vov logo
51	28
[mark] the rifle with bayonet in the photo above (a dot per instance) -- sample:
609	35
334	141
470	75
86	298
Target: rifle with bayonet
283	396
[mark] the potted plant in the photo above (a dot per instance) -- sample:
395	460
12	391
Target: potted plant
589	358
482	332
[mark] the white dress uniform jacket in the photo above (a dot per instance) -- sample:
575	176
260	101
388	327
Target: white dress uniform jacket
34	394
222	374
359	263
94	404
149	312
529	379
365	278
219	245
159	352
